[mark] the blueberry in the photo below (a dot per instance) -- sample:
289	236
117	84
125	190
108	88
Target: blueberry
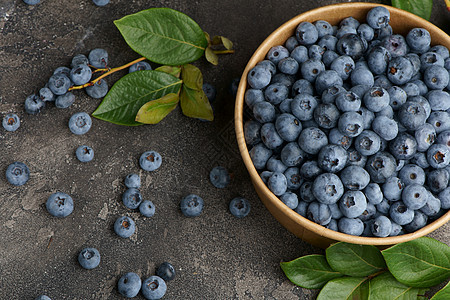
351	226
440	121
260	154
17	173
400	213
351	124
430	59
361	76
437	180
98	58
436	77
441	50
33	104
383	207
312	139
378	17
373	193
65	100
365	32
415	60
414	196
326	115
367	143
291	155
84	153
383	32
329	95
293	178
336	137
332	158
300	54
412	174
265	175
423	89
124	227
150	161
59	84
311	68
80	74
89	258
191	205
239	207
420	159
343	30
433	205
97	90
133	181
323	28
259	77
264	112
288	65
303	106
400	70
270	136
315	52
305	192
350	44
396	229
319	213
76	60
355	158
210	91
332	225
306	33
378	59
129	285
352	204
80	123
274	164
33	2
385	127
270	66
396	45
381	226
302	86
327	42
327	188
284	79
132	198
252	96
354	178
139	66
404	146
147	208
367	115
411	89
328	57
444	197
381	166
277	183
348	101
368	213
219	177
376	99
418	40
326	79
419	221
382	81
439	100
46	94
438	156
277	53
310	170
59	204
425	136
154	287
302	208
42	297
11	122
289	199
443	138
275	93
291	43
392	189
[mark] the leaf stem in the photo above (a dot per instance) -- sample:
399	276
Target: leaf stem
376	274
110	71
223	51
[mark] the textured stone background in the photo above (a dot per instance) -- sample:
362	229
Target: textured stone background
216	255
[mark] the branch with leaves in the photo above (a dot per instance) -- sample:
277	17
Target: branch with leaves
350	271
173	40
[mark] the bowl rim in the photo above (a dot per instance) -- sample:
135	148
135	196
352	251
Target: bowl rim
261	52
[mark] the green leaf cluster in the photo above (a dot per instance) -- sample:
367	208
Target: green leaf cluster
350	271
421	8
172	39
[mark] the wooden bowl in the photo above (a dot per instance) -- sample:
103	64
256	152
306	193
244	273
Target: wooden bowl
401	22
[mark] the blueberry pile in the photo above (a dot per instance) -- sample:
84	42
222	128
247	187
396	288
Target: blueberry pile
350	125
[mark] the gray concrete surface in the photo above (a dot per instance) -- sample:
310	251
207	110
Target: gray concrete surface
216	255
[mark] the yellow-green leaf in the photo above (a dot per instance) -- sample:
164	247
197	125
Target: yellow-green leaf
172	70
154	111
221	40
195	104
192	77
211	56
345	288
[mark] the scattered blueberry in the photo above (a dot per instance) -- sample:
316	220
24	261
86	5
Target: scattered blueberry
17	173
147	208
84	153
80	123
153	288
150	160
133	181
191	205
132	198
59	204
124	227
166	271
239	207
139	66
129	285
11	122
89	258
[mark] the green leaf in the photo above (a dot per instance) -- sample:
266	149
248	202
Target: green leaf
351	288
211	56
172	70
221	40
355	260
163	35
154	111
443	294
422	8
311	271
131	92
385	286
192	77
195	104
423	262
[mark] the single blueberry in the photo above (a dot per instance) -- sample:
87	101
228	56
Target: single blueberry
124	227
147	208
303	106
259	77
133	181
306	33
351	124
302	86
80	74
381	226
404	146
191	205
373	193
438	156
139	66
367	143
274	164
46	94
437	180
400	213
425	136
80	123
17	173
219	177
76	60
59	204
239	207
352	204
166	271
33	104
154	287
418	40
319	213
264	112
150	161
312	139
129	285
65	100
11	122
326	115
354	178
260	154
59	84
378	17
385	127
327	188
277	183
352	226
381	166
310	170
89	258
252	132
414	196
311	68
293	178
84	153
98	90
132	198
412	174
98	58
